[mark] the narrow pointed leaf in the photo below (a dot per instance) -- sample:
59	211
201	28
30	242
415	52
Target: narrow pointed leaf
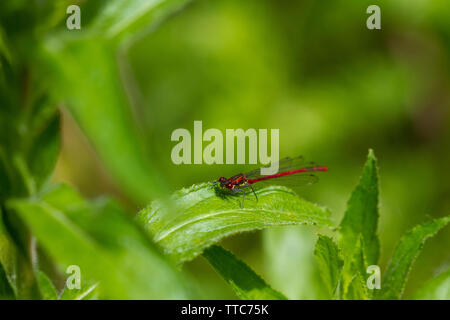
327	256
46	287
357	289
407	250
361	216
86	292
245	282
357	236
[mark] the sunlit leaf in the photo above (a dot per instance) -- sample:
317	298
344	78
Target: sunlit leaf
100	107
46	287
200	216
86	292
330	264
356	289
361	216
406	252
358	237
120	19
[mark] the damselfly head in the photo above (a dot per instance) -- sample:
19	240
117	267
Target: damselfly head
225	183
222	180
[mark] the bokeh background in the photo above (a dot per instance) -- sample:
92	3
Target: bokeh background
334	89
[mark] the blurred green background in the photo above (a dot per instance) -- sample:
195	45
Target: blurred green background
332	87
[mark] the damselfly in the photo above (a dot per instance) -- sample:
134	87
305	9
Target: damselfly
291	171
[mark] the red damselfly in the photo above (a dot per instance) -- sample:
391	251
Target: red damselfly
291	171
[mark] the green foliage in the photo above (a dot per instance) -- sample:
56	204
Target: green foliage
359	245
244	281
103	242
86	292
358	238
14	259
361	217
330	264
119	20
6	292
46	287
44	228
44	150
356	289
200	216
404	255
40	66
99	104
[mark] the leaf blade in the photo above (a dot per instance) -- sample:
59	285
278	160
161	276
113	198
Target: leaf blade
105	244
357	237
121	20
6	291
244	281
101	108
46	287
407	250
86	292
361	216
203	217
327	257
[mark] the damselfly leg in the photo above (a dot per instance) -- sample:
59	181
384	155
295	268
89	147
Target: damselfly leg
244	192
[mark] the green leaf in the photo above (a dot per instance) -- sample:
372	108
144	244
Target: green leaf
353	282
244	281
407	250
357	236
16	265
6	182
354	272
4	49
86	292
437	288
99	103
29	136
120	19
46	287
6	292
357	289
200	216
103	241
44	151
330	264
100	107
361	216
